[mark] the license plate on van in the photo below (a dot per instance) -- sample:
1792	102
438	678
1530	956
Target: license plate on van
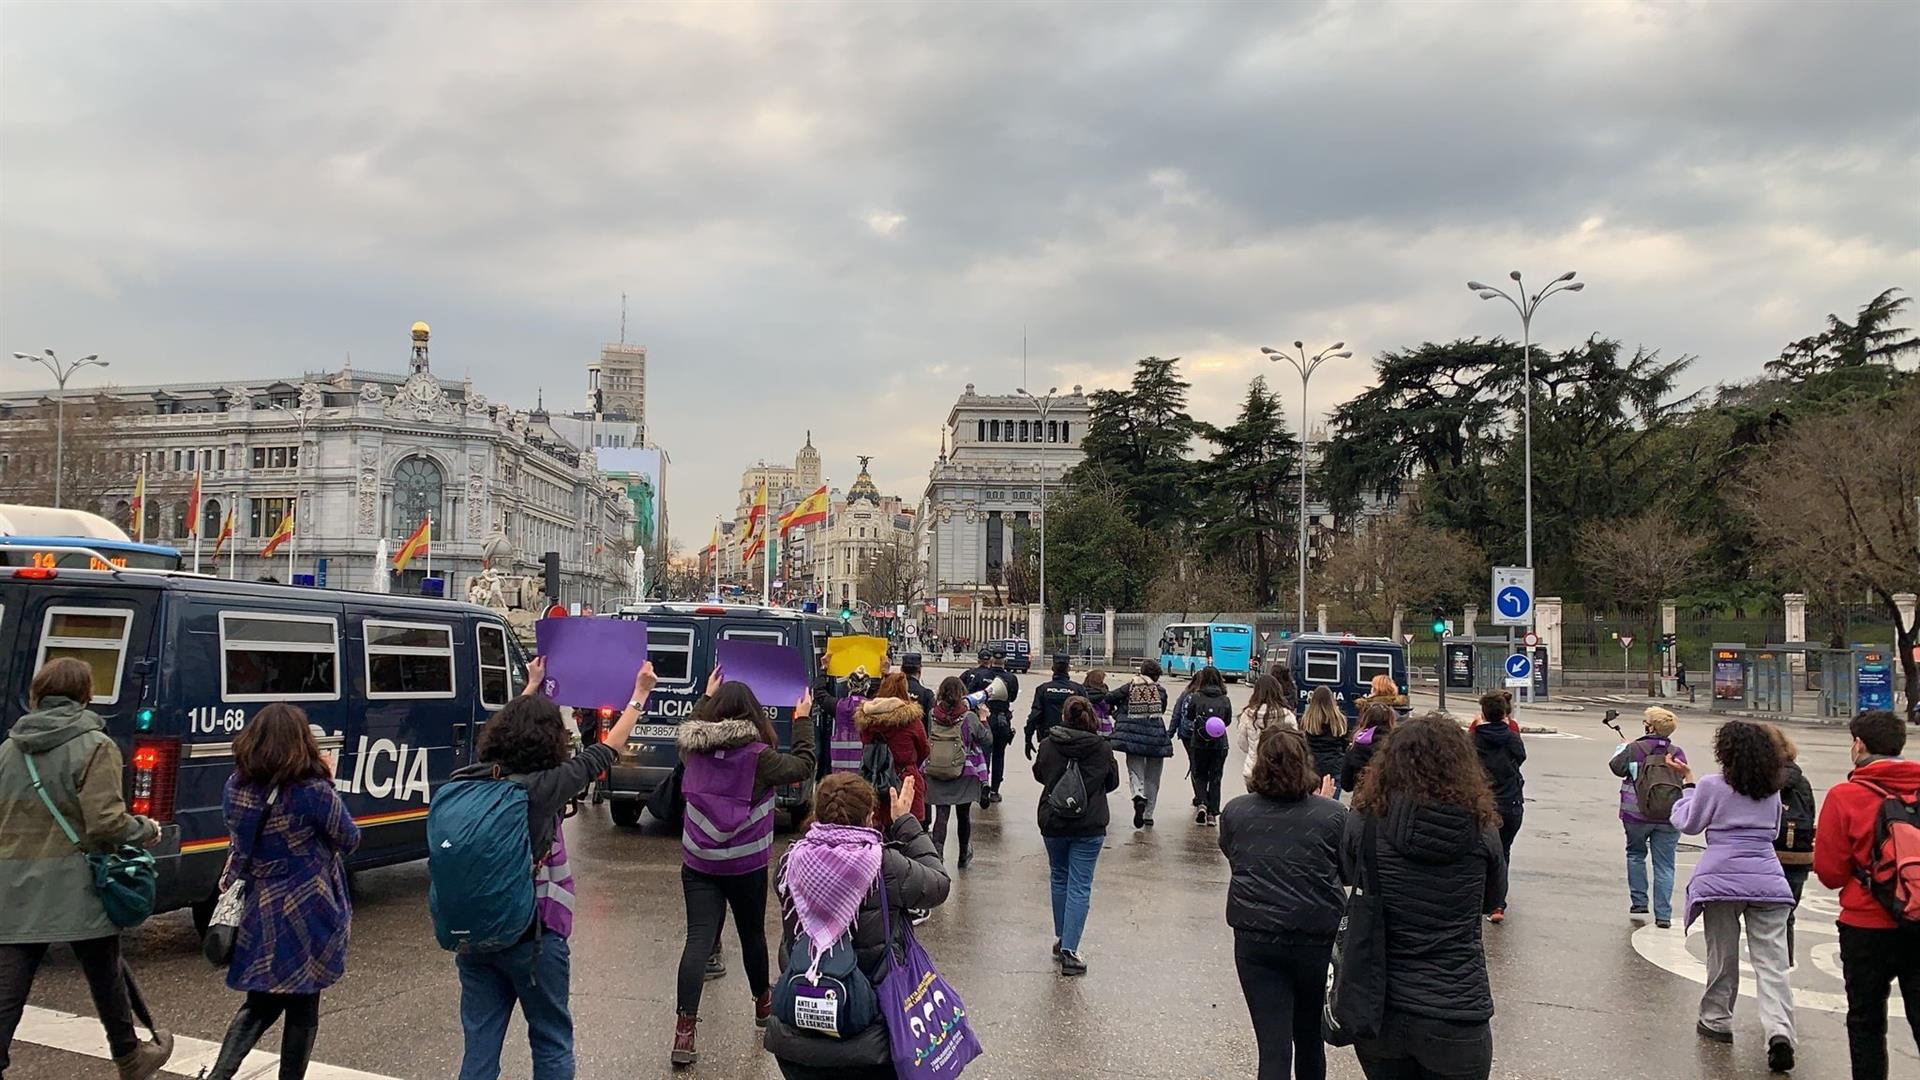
655	731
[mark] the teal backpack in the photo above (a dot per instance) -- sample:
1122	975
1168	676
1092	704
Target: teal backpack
479	865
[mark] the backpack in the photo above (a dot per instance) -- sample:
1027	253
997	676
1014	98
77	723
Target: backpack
1657	785
1206	708
877	768
947	749
480	865
1893	875
1068	796
837	1002
1796	821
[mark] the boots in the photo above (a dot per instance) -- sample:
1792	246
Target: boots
683	1051
147	1058
1139	811
242	1035
296	1049
763	1009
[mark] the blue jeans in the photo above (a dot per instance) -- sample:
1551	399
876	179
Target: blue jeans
1071	860
1664	839
489	985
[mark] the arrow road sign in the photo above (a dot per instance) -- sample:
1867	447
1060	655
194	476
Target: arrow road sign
1512	596
1519	666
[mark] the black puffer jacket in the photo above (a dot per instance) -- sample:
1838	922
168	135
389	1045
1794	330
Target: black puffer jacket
1285	858
1440	871
1502	752
1329	752
1097	768
915	879
1139	706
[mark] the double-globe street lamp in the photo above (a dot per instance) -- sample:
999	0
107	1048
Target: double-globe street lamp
1043	405
1526	306
1306	366
61	373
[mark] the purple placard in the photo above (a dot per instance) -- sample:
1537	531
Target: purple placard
777	674
591	662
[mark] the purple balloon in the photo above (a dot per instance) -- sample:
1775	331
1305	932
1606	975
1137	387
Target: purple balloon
1216	728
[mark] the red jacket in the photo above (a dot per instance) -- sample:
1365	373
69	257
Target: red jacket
1843	838
899	725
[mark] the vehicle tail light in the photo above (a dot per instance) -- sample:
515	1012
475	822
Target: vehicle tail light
709	609
606	720
156	775
36	573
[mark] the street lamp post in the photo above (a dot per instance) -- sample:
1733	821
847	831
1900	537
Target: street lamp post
301	417
61	373
1526	306
1043	405
1306	366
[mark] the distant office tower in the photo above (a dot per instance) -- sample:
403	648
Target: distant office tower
617	384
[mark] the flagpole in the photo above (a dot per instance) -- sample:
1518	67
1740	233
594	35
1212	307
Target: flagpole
429	543
826	560
233	554
293	539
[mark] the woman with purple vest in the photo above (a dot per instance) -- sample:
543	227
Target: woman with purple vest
843	752
1647	834
1739	879
530	741
733	764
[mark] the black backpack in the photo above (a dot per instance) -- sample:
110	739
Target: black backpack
1206	707
1068	796
1796	820
877	768
839	1004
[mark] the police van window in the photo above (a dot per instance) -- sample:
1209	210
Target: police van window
94	636
496	683
266	657
1369	664
671	650
734	633
409	660
1323	666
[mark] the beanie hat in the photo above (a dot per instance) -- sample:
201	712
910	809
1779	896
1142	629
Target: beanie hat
1661	721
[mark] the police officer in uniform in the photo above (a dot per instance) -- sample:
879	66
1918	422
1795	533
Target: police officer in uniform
979	676
910	667
1049	698
1000	718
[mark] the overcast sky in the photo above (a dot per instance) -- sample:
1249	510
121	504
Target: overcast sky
834	216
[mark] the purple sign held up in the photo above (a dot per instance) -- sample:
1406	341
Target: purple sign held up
777	674
591	662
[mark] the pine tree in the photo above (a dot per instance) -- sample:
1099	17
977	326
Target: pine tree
1250	486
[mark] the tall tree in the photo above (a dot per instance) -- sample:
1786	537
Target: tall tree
1636	563
1138	439
890	574
96	464
1096	554
1249	487
1398	562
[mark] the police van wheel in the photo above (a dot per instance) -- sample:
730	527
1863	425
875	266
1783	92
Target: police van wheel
203	915
626	812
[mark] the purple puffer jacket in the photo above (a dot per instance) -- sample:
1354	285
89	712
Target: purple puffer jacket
1739	863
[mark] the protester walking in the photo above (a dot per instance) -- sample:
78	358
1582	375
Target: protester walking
1649	786
1326	729
956	768
526	743
1424	817
1376	723
1048	699
1502	752
1076	770
1095	687
60	777
1739	880
288	834
1282	843
1878	945
1793	844
893	719
1269	707
1210	719
832	883
1140	732
843	750
733	764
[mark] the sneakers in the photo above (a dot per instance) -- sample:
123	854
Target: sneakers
1719	1036
919	915
1664	924
1139	812
1071	964
966	858
1499	915
1780	1054
1056	950
147	1058
1637	909
1213	821
995	796
1149	823
683	1051
763	1009
1200	816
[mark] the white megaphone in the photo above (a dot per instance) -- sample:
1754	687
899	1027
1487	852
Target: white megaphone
997	690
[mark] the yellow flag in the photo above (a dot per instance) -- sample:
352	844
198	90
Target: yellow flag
844	654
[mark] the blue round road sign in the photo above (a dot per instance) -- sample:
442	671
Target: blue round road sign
1519	667
1514	602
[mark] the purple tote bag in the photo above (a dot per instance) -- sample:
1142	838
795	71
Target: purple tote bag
927	1025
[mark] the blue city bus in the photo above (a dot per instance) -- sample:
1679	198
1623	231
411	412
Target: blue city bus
397	689
89	552
1185	648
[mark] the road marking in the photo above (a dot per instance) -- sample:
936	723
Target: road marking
1667	950
83	1035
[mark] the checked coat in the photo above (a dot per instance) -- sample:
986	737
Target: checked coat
293	936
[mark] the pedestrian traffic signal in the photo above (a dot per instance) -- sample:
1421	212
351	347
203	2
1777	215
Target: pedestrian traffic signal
1439	624
846	612
1666	642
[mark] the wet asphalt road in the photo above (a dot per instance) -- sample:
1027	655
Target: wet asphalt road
1582	990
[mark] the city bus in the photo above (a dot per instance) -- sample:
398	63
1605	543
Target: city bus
48	537
1185	648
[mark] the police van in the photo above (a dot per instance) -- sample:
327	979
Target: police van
1346	665
681	643
397	689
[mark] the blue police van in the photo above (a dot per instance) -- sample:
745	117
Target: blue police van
397	689
681	643
1346	664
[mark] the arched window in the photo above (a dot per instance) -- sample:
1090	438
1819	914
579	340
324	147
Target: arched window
211	516
417	485
179	516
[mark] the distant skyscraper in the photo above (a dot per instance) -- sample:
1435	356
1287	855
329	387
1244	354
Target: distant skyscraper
617	383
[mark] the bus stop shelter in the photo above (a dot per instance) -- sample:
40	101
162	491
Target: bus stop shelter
1797	678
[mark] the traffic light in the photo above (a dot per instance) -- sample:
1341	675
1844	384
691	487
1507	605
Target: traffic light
846	612
1666	643
1439	623
551	563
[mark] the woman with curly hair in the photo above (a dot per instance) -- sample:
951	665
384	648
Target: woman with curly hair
1424	818
1739	879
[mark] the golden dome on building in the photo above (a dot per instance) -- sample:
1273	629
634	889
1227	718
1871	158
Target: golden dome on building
420	331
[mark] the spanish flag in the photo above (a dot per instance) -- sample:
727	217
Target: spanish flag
137	509
415	544
759	508
713	543
754	540
280	536
811	511
226	534
193	508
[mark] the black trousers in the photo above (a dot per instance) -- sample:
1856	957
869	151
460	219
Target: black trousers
1418	1048
99	962
1872	961
997	757
1208	766
964	812
1285	987
1510	817
708	898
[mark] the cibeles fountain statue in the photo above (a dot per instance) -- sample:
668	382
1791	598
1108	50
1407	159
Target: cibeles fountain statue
516	596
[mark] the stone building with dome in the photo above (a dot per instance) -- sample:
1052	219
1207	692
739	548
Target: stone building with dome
358	456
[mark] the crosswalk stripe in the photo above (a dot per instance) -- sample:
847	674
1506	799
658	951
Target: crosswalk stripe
83	1035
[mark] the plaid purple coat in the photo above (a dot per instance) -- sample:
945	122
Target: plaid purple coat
293	937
